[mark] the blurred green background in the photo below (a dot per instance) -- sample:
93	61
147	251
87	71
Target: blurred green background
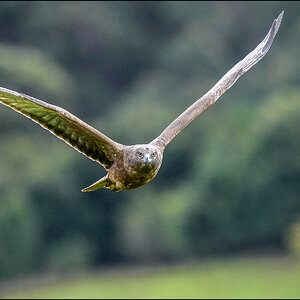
229	185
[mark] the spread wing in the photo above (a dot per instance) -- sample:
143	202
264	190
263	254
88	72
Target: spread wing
221	87
65	126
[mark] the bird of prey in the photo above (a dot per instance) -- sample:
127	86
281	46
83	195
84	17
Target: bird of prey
129	167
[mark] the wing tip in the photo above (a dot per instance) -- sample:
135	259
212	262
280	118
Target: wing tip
280	16
268	41
279	19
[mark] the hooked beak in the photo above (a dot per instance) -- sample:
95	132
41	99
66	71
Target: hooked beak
147	160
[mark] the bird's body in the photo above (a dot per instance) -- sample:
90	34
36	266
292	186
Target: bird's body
136	165
129	167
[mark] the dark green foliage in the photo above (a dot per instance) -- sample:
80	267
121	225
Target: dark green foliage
229	181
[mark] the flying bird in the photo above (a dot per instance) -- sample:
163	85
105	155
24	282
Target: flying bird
129	167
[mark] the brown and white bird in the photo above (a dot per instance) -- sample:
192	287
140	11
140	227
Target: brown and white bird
129	167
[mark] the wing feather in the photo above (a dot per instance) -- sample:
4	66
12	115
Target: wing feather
220	88
65	126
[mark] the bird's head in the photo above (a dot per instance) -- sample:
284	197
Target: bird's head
143	157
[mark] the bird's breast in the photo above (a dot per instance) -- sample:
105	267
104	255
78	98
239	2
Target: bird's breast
127	178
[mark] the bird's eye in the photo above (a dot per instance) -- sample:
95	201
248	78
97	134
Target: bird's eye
153	154
140	155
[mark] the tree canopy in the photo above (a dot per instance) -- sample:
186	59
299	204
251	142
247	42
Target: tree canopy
129	69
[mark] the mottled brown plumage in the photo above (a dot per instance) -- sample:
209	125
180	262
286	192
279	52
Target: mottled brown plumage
129	167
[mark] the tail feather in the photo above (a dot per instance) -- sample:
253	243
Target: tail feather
101	183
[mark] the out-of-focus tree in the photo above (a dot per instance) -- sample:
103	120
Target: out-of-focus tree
229	181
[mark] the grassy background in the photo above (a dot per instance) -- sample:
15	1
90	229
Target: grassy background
222	278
